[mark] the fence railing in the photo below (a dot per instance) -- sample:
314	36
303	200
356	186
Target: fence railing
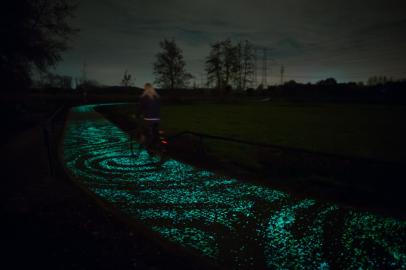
203	136
48	131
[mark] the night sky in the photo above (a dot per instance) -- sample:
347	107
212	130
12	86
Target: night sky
313	39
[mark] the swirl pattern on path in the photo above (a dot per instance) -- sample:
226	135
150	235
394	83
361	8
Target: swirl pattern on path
236	224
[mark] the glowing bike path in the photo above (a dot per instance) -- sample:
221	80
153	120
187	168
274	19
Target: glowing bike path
233	223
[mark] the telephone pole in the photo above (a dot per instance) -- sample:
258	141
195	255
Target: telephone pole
282	73
265	67
255	80
264	74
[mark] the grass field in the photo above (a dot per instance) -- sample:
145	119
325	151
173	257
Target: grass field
372	131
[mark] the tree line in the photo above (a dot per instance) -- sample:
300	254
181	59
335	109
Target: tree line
228	65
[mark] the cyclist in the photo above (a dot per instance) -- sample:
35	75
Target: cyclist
150	111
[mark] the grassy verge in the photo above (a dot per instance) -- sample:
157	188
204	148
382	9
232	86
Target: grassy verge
371	131
361	132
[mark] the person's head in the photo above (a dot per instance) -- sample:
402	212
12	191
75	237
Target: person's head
149	91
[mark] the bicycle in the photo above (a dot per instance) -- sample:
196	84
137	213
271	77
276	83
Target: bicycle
156	148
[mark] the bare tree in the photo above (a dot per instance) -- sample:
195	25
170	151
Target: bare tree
34	33
238	69
169	67
230	64
126	81
214	66
221	64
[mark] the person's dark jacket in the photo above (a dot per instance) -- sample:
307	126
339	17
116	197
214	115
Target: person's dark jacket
150	108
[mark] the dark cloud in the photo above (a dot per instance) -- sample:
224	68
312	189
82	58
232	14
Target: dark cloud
349	40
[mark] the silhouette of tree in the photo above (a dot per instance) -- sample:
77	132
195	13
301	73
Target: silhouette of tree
231	61
127	80
34	33
222	63
228	63
50	80
291	83
214	65
376	80
169	67
328	82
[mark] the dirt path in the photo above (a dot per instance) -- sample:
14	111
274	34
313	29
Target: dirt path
230	222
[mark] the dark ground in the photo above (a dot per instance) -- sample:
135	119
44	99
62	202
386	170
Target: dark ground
48	223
